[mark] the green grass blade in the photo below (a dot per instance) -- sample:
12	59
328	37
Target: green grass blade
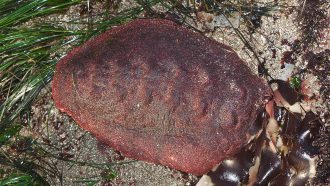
31	9
17	180
9	132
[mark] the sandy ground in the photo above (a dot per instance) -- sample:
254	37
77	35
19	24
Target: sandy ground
61	136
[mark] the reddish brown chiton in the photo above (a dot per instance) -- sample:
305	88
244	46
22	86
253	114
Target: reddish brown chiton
159	92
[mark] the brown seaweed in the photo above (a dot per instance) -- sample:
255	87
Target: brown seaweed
289	160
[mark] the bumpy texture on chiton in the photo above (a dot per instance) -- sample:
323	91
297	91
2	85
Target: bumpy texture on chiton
161	93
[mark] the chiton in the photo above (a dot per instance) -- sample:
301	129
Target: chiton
158	92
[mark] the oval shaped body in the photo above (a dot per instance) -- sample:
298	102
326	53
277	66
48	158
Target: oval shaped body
159	92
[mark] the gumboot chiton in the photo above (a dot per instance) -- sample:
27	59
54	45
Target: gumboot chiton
159	92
